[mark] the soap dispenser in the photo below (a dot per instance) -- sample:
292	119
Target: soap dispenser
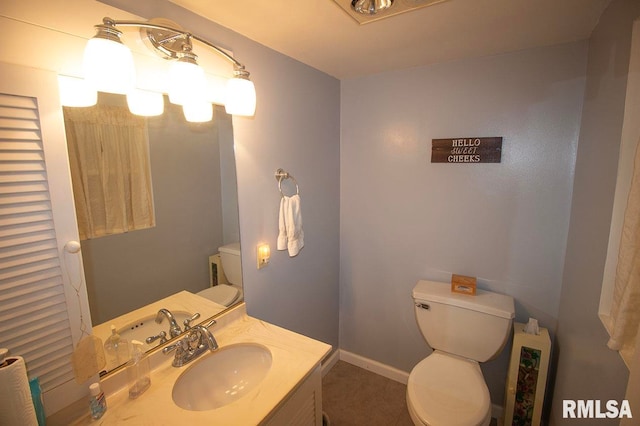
116	348
138	370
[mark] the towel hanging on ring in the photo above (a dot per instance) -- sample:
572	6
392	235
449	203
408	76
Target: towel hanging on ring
290	232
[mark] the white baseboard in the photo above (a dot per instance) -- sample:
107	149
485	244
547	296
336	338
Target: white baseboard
496	412
375	367
382	370
330	361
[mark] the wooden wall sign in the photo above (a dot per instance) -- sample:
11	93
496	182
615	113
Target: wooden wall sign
466	150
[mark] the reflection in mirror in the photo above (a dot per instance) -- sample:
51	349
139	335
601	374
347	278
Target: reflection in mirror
193	233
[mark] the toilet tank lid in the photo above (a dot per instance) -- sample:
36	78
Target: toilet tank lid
233	248
491	303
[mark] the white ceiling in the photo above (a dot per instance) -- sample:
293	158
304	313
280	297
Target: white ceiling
321	34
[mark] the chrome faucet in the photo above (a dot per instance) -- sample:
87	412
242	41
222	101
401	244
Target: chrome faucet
174	328
206	337
197	341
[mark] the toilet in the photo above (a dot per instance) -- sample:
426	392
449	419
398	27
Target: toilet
228	293
447	388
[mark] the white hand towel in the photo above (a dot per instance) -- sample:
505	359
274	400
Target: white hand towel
282	229
293	222
290	233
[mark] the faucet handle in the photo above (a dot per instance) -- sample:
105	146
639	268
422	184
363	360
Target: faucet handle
162	336
187	322
180	346
210	323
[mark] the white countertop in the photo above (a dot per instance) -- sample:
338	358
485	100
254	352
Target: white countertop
294	357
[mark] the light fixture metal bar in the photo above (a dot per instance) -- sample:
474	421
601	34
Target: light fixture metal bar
238	67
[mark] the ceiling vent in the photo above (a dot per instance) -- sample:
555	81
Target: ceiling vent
365	11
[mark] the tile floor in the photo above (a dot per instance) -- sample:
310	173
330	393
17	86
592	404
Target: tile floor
352	396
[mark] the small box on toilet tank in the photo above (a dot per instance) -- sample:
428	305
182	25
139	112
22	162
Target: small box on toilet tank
463	284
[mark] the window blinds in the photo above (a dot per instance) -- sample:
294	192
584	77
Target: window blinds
33	310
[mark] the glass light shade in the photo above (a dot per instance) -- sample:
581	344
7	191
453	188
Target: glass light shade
75	92
145	103
187	83
241	97
198	112
108	66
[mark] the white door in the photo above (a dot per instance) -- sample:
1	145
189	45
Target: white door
41	312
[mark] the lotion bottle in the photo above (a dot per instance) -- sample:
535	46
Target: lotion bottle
116	348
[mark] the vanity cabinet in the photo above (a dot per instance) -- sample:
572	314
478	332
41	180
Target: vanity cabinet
527	377
303	407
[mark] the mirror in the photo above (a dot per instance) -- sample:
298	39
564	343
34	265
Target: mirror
194	193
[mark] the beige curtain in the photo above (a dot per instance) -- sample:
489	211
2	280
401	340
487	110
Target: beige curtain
625	308
109	159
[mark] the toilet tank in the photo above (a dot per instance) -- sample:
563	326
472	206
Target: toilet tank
475	327
231	263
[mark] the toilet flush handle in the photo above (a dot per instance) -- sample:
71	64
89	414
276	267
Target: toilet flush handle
423	305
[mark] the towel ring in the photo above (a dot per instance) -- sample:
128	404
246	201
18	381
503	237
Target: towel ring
280	176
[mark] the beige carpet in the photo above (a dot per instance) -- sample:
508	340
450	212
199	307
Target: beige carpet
352	396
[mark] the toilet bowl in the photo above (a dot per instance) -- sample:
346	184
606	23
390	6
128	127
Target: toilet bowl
222	294
227	294
447	388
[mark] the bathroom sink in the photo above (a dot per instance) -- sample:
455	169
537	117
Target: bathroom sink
147	327
222	377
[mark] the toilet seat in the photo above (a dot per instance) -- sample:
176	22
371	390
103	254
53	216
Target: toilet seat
222	293
445	389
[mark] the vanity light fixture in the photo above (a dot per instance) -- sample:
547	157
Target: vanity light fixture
108	66
186	78
241	94
108	63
